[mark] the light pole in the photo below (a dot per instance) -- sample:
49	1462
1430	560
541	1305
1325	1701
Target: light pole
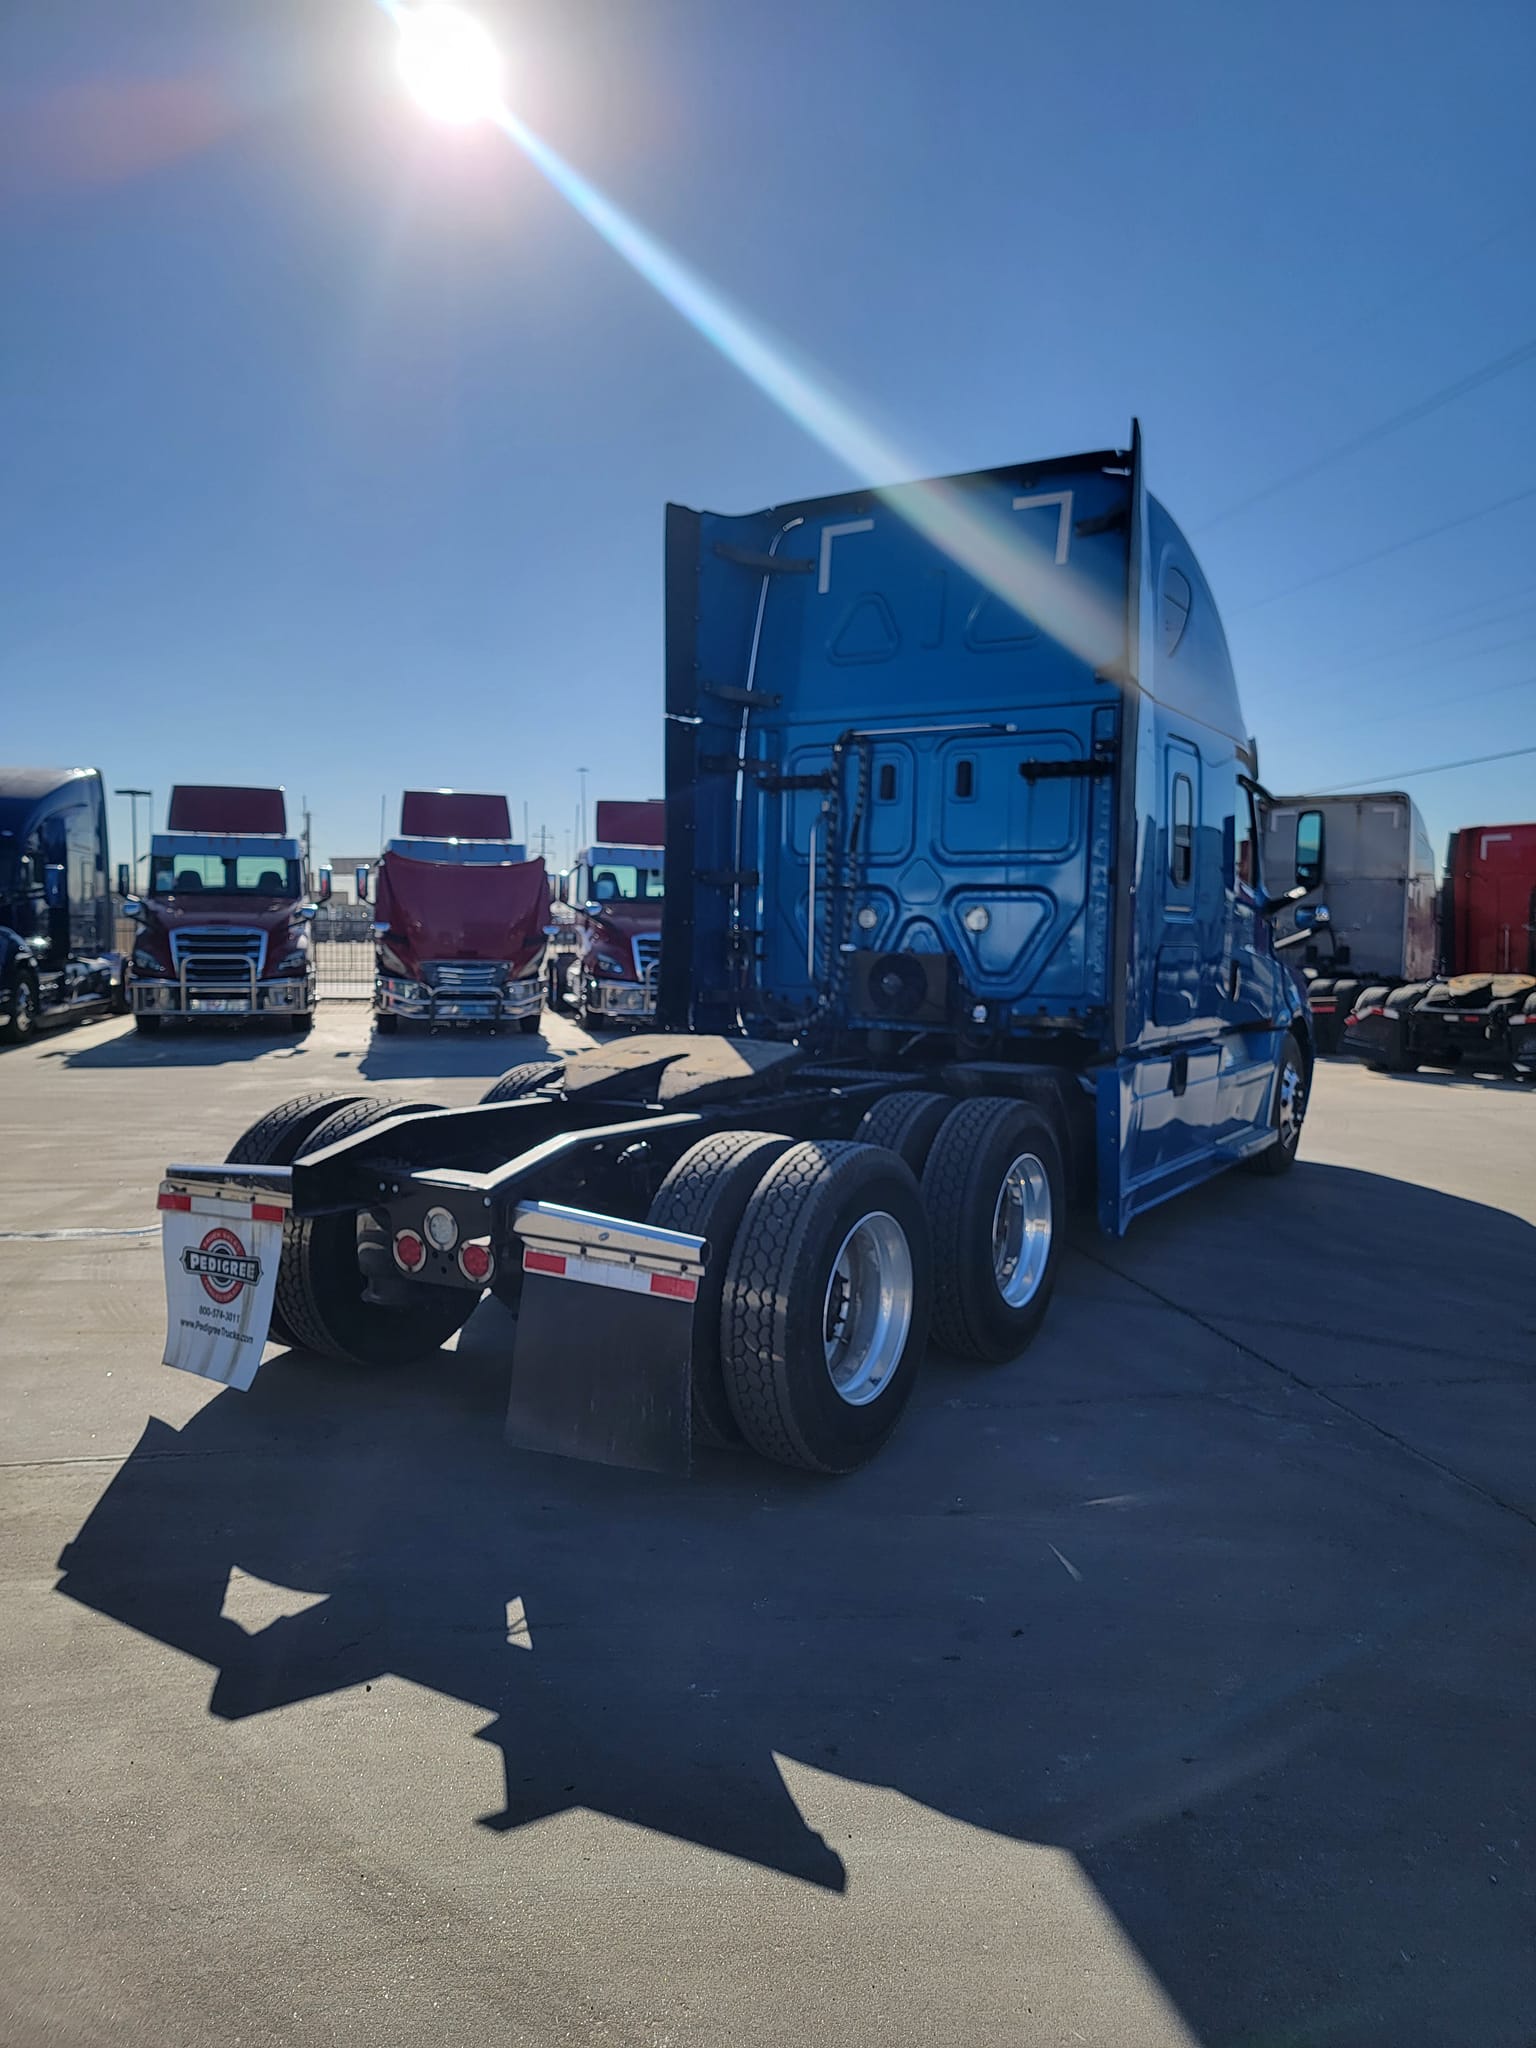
583	773
133	796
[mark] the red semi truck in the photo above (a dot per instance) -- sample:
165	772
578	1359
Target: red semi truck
613	899
224	924
460	916
1480	1009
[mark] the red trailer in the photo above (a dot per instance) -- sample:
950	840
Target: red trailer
1481	1008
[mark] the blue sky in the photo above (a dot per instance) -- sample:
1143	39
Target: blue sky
337	444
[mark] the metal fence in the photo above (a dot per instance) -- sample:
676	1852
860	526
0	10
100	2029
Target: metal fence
342	936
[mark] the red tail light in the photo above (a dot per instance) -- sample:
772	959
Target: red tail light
476	1262
410	1251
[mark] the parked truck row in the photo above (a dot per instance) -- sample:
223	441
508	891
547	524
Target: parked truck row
1400	972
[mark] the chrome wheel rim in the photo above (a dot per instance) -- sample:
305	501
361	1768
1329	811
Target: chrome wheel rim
867	1310
1021	1231
1292	1106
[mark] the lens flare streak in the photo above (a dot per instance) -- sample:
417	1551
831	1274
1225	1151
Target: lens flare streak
1003	558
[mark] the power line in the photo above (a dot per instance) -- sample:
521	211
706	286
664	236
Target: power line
1380	554
1370	647
1401	653
1411	774
1420	284
1447	394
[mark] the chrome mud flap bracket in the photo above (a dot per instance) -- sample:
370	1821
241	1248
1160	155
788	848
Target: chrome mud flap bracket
603	1359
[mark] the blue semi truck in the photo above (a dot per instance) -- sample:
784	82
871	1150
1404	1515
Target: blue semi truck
57	959
964	923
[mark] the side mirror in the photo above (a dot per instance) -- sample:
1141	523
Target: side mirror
592	908
124	880
361	878
55	893
379	930
307	911
1270	905
134	908
1309	850
325	885
1317	922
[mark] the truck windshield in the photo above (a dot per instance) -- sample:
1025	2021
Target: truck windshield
245	874
616	882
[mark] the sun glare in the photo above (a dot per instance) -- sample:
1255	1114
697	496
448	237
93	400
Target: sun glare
450	64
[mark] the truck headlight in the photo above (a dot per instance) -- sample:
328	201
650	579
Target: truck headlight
147	962
606	964
295	958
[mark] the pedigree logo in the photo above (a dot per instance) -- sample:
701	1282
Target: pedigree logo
222	1263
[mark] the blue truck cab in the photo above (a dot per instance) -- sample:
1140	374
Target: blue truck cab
57	959
959	773
964	921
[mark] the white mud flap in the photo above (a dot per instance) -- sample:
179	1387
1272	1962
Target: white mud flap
222	1249
603	1360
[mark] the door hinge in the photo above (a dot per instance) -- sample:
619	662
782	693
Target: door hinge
764	774
1067	771
732	693
765	565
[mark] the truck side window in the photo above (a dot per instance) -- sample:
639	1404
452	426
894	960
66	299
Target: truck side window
1181	845
1247	864
1309	849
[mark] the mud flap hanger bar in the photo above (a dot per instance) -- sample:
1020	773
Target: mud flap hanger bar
608	1251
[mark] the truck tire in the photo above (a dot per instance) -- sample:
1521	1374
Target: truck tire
386	1023
274	1139
996	1194
529	1026
828	1294
319	1305
1345	990
146	1025
904	1124
21	1007
524	1080
1406	997
302	1024
527	1079
1287	1113
706	1194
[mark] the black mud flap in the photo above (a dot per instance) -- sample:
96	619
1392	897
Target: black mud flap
602	1366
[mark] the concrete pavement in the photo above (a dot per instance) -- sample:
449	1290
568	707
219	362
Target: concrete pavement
1169	1686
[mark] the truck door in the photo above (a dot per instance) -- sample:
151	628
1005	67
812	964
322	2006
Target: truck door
1177	1083
1251	993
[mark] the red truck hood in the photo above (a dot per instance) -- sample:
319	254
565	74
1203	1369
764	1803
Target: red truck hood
439	910
619	924
628	920
273	915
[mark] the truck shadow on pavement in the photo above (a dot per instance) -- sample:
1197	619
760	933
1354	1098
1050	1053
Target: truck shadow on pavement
1461	1076
205	1046
1143	1597
421	1054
